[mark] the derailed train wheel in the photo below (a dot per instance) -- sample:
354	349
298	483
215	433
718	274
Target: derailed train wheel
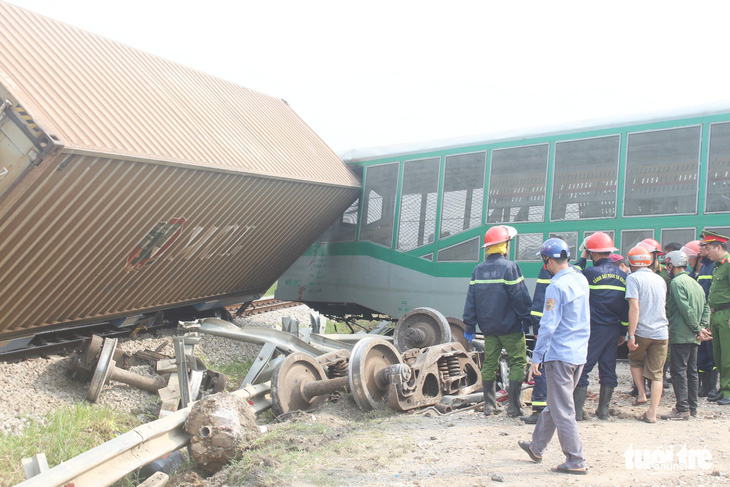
458	328
369	357
421	328
288	380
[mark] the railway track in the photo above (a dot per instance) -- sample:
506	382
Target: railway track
70	339
262	306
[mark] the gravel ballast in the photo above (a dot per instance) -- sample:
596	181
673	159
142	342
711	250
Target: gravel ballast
32	388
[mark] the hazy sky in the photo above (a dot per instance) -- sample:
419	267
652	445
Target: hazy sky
383	72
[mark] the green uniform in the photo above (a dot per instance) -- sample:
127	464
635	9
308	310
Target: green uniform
687	309
719	296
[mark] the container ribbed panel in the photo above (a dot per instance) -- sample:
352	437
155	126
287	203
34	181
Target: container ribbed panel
100	96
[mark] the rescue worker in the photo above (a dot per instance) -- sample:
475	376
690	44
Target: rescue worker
499	303
621	262
719	301
609	317
648	337
689	317
706	369
561	349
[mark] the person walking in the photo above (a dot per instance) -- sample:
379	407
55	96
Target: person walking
719	301
498	302
648	335
609	318
561	349
689	317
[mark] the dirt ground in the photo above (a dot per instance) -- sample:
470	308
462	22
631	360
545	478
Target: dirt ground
466	449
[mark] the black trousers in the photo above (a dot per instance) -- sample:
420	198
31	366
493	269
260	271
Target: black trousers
683	365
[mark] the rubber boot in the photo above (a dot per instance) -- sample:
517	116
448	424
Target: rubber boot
514	408
714	394
579	398
531	419
604	399
705	387
490	398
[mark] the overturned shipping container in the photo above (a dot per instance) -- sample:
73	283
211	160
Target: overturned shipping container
131	184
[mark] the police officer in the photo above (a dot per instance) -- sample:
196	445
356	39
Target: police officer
609	318
719	301
702	271
499	303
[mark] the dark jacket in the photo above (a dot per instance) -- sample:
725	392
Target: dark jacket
538	299
497	299
607	283
704	276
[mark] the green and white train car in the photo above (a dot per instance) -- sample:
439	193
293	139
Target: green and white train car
414	235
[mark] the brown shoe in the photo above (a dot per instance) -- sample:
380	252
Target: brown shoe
676	415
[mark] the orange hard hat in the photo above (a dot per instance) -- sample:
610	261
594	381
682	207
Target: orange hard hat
692	249
640	256
652	245
600	242
497	235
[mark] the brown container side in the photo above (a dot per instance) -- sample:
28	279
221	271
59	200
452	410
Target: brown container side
82	245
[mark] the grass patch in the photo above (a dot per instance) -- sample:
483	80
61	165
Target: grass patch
63	434
271	291
308	449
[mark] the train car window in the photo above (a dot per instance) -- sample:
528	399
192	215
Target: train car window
571	238
462	252
661	172
463	199
629	239
718	169
678	235
517	184
419	197
378	210
527	245
344	229
428	256
585	179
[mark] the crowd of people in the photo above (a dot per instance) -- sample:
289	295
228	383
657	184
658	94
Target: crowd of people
670	306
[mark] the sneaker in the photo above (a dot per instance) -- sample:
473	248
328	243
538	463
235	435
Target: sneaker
676	415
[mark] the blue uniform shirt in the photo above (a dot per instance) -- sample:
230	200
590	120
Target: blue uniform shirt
565	325
497	300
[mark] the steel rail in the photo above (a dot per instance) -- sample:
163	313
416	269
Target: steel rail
109	462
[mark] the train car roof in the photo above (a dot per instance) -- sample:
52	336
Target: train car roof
99	97
377	152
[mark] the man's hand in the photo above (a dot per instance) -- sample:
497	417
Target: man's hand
704	335
632	344
535	369
469	336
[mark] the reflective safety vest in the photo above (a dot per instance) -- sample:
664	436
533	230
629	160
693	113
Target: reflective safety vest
607	284
497	299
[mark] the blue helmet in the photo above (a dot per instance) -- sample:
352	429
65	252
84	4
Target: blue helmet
555	248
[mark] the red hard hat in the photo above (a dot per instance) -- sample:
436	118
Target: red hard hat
692	249
652	245
496	235
600	242
640	256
